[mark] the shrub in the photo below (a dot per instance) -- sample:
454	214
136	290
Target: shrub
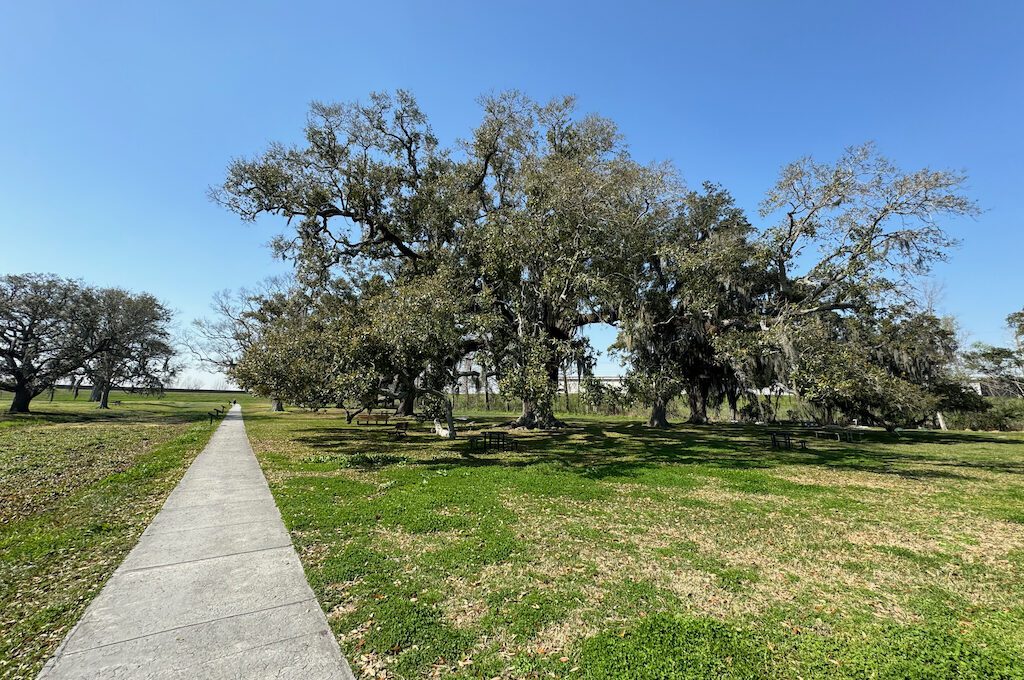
1005	414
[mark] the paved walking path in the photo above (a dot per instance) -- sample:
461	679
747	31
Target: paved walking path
214	588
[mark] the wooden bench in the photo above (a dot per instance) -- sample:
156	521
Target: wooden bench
373	418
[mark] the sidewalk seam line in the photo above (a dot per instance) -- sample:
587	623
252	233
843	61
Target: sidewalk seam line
189	625
212	526
246	650
204	559
210	505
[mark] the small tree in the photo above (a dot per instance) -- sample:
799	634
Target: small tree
137	350
357	345
218	342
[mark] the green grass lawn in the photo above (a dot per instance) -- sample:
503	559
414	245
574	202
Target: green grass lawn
613	551
77	488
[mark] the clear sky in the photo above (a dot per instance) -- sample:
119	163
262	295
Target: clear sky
115	117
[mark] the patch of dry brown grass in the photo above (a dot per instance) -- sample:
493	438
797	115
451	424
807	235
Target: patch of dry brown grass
797	557
718	532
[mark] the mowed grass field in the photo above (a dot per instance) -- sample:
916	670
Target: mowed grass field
77	488
613	551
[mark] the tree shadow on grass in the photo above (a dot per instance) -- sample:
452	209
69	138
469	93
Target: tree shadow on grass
132	411
624	450
112	417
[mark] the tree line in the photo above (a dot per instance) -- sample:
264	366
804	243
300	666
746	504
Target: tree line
411	255
54	328
1001	369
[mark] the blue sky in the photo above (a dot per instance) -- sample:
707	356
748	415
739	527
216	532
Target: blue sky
115	117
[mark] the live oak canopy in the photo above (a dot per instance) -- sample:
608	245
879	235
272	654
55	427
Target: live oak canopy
540	223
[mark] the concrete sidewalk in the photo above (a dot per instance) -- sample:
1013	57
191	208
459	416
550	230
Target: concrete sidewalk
214	588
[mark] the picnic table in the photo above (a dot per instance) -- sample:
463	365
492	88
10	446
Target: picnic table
781	439
838	434
493	441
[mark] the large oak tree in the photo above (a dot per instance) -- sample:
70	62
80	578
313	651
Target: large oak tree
46	333
522	215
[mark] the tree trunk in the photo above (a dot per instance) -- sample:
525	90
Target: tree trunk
96	392
448	410
449	418
536	415
408	404
22	397
734	402
276	404
541	414
565	385
659	416
698	406
407	399
104	397
487	396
